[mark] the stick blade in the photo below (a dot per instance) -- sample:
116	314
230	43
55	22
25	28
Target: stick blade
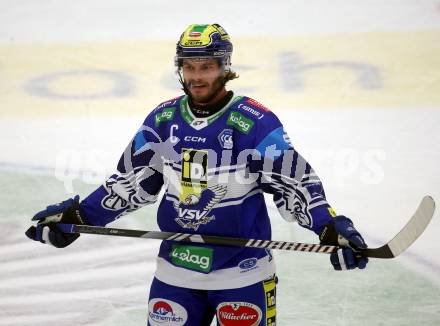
406	237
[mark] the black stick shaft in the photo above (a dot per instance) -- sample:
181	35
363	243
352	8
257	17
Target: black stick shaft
410	232
208	239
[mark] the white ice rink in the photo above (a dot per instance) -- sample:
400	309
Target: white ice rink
356	83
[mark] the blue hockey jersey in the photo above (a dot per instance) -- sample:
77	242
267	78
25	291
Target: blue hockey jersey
215	171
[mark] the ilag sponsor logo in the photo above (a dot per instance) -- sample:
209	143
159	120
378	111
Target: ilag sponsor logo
166	115
166	312
240	122
238	313
196	258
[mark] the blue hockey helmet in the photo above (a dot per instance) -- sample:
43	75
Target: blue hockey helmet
204	41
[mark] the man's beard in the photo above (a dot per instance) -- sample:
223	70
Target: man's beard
218	85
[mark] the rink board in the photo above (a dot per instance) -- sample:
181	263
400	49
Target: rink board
375	70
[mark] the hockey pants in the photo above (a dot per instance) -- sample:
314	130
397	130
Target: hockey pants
253	305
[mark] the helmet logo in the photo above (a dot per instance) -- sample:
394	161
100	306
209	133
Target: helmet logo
197	30
207	41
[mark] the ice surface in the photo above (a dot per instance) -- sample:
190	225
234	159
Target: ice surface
377	160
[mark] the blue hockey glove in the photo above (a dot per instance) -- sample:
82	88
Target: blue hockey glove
341	232
46	230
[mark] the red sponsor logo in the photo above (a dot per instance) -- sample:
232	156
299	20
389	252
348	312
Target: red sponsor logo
238	314
257	104
162	308
195	34
167	103
166	312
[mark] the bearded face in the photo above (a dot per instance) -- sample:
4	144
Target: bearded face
203	78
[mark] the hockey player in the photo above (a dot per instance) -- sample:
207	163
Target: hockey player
215	153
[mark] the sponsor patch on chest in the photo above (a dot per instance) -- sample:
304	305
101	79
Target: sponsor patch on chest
240	122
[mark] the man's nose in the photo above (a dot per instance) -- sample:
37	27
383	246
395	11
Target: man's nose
197	74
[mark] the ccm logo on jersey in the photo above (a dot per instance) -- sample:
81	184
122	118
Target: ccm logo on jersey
238	313
195	139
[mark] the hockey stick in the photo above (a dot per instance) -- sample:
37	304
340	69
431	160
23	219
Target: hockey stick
412	230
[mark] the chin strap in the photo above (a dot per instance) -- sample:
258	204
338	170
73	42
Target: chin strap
181	81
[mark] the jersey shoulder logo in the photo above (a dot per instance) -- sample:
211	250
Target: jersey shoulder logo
169	103
167	114
257	104
166	111
252	110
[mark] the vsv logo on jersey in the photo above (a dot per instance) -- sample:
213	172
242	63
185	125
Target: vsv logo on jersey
240	122
192	214
194	210
167	114
197	258
196	200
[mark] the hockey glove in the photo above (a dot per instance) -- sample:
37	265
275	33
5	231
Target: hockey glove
46	230
341	232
